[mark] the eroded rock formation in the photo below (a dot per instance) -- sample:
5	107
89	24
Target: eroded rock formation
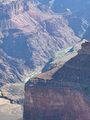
24	27
61	94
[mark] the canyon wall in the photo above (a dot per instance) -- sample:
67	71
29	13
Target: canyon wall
64	95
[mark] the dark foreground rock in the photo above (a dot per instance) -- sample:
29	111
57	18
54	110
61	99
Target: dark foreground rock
62	93
56	104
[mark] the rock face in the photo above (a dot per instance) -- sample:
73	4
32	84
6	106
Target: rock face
56	104
62	93
24	27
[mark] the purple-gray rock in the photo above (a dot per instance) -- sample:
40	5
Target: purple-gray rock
61	93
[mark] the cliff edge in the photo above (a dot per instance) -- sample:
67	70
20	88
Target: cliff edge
63	93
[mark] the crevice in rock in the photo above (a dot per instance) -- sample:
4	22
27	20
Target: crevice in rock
6	98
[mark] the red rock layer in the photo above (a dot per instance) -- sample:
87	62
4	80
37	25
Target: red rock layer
55	104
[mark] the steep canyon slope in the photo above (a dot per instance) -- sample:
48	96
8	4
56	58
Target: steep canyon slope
76	12
29	37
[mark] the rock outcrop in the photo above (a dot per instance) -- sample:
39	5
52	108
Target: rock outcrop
62	93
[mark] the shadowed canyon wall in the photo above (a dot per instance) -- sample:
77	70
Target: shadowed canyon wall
65	96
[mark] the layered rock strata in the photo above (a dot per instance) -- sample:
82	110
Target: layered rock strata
62	94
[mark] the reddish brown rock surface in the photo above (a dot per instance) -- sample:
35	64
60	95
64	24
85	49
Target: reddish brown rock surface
56	104
60	94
